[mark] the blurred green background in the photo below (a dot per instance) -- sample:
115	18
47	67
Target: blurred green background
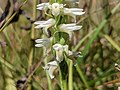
98	65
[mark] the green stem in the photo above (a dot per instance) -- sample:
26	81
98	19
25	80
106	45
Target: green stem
70	78
65	84
48	78
61	80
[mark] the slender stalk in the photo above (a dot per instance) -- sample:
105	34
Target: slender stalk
70	78
61	80
31	55
65	84
8	21
48	78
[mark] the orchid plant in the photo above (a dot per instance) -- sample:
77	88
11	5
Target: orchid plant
61	33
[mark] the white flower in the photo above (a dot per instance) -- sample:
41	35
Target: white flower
69	27
59	49
50	68
42	6
73	12
56	7
43	42
45	25
59	52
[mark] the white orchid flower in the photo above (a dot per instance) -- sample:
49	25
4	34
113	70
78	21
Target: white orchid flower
50	68
73	12
56	7
59	52
43	42
59	49
43	6
69	27
45	25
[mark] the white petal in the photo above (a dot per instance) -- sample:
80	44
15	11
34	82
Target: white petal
41	40
55	9
76	9
59	52
65	47
41	26
78	13
42	6
38	45
69	27
73	12
70	53
39	22
61	5
53	63
57	46
74	28
71	24
50	68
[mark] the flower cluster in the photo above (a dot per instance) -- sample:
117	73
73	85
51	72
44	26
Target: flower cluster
56	24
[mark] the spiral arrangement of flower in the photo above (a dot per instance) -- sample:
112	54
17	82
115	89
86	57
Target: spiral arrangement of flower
61	33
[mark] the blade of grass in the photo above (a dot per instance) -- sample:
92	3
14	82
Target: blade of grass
7	64
112	42
9	41
82	77
8	21
82	40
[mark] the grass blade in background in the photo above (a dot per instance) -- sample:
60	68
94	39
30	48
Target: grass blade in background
112	42
86	49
